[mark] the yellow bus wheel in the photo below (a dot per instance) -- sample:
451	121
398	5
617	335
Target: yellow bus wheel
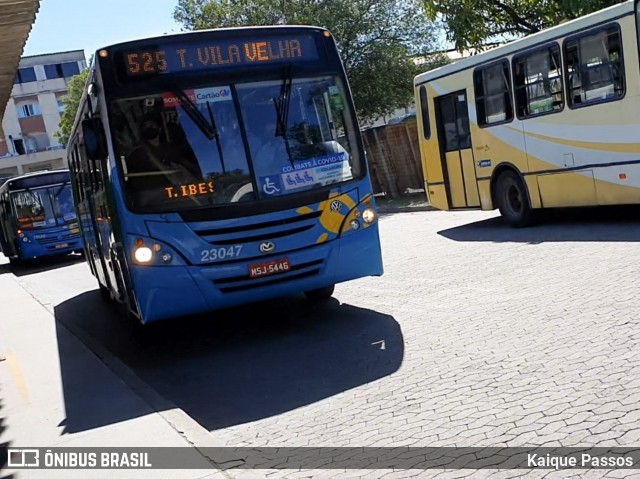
513	200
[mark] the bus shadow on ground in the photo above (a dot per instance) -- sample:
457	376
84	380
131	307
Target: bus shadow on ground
229	367
4	446
40	265
610	224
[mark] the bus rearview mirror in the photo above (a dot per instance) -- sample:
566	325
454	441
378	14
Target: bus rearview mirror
94	140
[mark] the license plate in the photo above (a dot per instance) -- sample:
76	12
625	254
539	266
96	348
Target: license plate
61	245
269	267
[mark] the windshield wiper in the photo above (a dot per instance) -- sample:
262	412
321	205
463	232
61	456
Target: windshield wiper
208	128
282	110
62	187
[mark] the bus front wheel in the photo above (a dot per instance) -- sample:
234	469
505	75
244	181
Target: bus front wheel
105	293
512	199
320	294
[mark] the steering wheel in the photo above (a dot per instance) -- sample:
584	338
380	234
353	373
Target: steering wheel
243	193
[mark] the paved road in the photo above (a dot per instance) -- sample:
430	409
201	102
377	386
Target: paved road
477	335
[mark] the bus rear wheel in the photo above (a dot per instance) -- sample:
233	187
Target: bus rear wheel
320	294
512	199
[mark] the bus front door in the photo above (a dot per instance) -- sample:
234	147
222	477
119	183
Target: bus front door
456	154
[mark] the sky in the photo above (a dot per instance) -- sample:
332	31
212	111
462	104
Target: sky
88	25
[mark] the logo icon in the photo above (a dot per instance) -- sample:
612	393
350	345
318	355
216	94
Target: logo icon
23	458
336	206
267	247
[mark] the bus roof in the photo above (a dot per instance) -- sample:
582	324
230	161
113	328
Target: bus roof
219	30
559	31
37	174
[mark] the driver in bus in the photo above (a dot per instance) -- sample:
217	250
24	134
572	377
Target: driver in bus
155	155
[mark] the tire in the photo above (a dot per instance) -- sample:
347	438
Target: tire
104	292
15	261
320	294
513	200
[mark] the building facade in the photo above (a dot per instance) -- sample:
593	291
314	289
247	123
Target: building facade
33	113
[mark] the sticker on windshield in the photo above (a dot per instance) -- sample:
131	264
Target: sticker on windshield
270	185
218	93
69	216
320	170
170	100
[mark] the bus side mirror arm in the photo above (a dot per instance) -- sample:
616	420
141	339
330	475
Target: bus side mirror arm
95	144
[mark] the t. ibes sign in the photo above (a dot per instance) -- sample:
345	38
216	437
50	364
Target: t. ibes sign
183	57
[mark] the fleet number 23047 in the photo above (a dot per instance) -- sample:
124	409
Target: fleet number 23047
216	254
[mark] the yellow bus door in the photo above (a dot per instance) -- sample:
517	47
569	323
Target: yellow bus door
456	153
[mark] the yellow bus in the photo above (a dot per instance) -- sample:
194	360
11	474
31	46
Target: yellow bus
549	120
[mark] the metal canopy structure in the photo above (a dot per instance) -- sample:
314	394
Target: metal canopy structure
16	19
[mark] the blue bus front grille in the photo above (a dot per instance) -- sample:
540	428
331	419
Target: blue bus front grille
263	231
55	239
245	282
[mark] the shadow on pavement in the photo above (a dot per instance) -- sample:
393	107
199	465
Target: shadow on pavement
40	265
233	366
4	446
620	223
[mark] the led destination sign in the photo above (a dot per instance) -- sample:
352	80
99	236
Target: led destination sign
189	57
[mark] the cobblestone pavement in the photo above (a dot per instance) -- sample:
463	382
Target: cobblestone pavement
511	338
477	335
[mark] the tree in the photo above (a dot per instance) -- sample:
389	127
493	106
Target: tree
473	23
378	39
71	103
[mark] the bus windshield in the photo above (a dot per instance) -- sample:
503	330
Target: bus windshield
44	207
185	148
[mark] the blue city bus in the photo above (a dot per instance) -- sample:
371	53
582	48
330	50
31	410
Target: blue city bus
38	216
221	167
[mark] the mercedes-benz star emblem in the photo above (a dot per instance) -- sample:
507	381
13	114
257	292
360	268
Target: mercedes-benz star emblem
267	247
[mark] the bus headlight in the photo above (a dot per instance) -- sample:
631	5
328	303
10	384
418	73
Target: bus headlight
166	257
355	225
142	254
369	215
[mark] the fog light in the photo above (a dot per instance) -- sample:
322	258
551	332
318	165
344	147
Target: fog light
143	254
368	215
166	257
355	225
25	239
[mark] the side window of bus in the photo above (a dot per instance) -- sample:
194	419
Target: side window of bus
537	79
594	67
492	87
424	108
76	172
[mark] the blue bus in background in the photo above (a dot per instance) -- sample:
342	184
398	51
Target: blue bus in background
38	216
221	167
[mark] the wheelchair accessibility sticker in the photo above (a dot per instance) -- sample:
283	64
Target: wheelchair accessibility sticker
271	185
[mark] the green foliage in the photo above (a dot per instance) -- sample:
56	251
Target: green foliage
473	23
378	39
71	103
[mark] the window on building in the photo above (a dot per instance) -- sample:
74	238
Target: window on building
61	105
493	94
26	75
70	69
28	109
537	79
594	67
61	70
